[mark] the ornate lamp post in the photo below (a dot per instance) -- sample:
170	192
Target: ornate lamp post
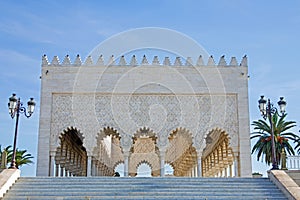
15	107
267	111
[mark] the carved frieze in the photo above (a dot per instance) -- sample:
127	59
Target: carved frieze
197	113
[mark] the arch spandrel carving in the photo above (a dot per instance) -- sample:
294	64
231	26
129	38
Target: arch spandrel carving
223	115
126	142
61	118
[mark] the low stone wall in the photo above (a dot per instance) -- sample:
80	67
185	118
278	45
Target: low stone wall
7	178
285	183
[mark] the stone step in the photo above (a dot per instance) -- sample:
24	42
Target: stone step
122	187
242	184
148	192
162	195
138	181
136	189
149	185
262	197
134	179
216	185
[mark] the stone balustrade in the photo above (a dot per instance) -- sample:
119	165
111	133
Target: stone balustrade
293	162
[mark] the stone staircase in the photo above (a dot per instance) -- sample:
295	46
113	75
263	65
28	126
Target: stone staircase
64	188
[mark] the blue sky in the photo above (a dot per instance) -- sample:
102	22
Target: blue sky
267	31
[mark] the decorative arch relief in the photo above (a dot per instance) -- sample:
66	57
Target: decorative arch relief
162	113
145	132
71	128
61	130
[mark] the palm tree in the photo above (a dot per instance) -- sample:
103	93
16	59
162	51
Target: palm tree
282	137
22	157
297	147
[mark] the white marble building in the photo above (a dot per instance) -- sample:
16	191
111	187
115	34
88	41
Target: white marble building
191	115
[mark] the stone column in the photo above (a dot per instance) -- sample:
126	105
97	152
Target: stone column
126	164
236	166
89	166
230	170
162	163
199	162
199	167
93	168
193	172
204	168
196	170
52	164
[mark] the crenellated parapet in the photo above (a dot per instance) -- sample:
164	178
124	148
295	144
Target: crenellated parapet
179	61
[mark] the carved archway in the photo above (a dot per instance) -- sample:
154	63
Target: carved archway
71	155
169	170
218	157
181	154
119	168
108	152
144	149
141	172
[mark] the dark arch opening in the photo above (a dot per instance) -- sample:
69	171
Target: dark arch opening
71	155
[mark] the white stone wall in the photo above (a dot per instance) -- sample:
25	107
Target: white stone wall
91	96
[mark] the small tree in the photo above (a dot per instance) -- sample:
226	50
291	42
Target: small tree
22	157
262	131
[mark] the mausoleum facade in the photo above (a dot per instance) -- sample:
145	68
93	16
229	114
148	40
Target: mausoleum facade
190	115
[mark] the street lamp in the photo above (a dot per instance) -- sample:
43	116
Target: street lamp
15	107
267	111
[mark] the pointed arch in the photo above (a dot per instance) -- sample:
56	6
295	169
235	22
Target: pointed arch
218	157
108	152
144	163
182	132
71	156
180	153
169	169
145	133
106	131
144	149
